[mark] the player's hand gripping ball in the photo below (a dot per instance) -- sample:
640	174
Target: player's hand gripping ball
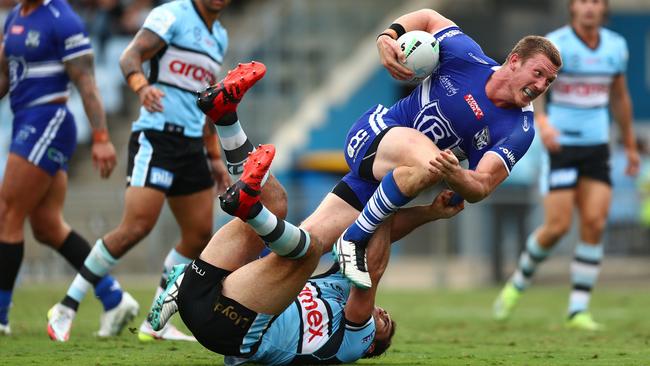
422	52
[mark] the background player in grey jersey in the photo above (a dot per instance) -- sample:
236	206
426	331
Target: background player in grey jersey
576	135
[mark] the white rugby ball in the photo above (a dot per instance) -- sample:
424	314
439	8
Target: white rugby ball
422	53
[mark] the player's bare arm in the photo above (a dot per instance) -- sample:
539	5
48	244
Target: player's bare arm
621	106
219	170
81	72
547	132
142	48
472	185
390	55
408	219
4	73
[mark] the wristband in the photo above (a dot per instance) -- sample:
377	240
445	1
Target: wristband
136	81
398	28
385	34
100	135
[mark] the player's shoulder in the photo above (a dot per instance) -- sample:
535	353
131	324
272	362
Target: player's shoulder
179	8
611	36
563	33
61	11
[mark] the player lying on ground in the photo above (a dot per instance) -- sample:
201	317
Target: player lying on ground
269	310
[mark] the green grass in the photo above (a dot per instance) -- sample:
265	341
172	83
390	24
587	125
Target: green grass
433	328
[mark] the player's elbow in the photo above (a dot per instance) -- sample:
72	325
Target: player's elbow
477	195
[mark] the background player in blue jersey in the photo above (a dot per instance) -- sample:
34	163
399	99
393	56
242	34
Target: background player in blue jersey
185	43
269	310
45	47
576	135
469	108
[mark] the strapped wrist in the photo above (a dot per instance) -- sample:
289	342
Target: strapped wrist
136	81
100	135
398	28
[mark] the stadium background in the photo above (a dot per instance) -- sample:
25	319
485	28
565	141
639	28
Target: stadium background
323	71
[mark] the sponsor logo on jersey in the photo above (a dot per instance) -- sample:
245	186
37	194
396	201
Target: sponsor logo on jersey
431	122
450	88
448	34
161	177
16	29
356	143
509	155
482	139
478	59
33	39
525	125
315	318
75	41
230	313
193	71
469	98
17	70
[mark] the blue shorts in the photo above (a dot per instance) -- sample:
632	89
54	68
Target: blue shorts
44	135
360	149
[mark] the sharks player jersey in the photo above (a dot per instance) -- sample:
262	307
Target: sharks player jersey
36	46
579	98
452	109
189	62
313	329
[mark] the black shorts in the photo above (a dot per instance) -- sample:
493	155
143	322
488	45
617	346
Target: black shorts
219	323
169	162
574	162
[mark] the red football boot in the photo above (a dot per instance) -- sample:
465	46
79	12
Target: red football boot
220	101
240	198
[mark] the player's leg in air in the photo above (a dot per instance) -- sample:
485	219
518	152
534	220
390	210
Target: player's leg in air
293	259
236	146
34	187
558	212
398	158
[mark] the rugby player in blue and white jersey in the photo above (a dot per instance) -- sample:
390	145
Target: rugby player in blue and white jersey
469	108
576	134
185	43
45	47
270	310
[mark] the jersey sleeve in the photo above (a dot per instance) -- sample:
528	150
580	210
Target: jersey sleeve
161	21
456	45
624	55
73	39
512	148
356	340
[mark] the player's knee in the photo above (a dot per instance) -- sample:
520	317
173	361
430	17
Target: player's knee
135	231
594	224
558	228
419	177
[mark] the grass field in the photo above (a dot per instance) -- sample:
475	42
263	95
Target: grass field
433	328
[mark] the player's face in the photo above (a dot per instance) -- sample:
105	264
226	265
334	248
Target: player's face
531	78
383	323
588	13
215	5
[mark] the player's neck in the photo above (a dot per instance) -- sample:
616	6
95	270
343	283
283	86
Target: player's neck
28	6
209	17
589	35
496	90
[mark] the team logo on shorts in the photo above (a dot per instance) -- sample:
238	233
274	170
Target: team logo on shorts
161	177
56	156
431	122
356	143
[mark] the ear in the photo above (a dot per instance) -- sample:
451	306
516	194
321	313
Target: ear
371	348
513	61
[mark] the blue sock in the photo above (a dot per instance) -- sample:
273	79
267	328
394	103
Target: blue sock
384	202
109	292
5	303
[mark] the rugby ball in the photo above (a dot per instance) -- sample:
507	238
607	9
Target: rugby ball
422	53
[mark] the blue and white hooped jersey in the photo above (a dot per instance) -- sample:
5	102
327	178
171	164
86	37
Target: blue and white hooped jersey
579	98
313	329
452	109
36	46
190	62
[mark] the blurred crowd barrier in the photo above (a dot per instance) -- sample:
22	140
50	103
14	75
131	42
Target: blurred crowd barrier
322	73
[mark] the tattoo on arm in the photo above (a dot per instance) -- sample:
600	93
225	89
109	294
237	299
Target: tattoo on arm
144	46
81	72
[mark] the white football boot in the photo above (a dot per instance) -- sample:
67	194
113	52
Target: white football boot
352	260
59	322
112	322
